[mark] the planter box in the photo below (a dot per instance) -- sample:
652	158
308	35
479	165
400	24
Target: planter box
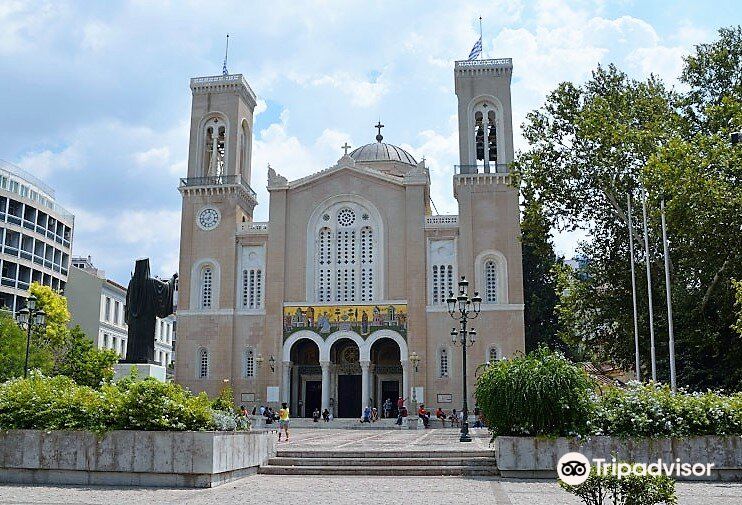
132	458
536	457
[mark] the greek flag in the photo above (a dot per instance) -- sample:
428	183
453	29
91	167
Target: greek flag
476	50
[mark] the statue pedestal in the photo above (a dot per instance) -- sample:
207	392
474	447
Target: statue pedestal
144	370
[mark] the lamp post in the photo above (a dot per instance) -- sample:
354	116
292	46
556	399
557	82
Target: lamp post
464	308
29	318
415	359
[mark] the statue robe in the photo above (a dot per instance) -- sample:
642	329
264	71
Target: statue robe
146	299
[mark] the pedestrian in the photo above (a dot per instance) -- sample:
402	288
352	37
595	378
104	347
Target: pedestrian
283	421
400	407
454	418
243	411
374	415
262	410
387	411
326	415
268	415
316	414
366	418
441	415
424	415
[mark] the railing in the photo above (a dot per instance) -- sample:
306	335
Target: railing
217	180
449	220
497	62
253	227
499	168
217	79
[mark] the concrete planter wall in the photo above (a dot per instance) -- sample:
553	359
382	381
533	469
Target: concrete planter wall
534	457
132	458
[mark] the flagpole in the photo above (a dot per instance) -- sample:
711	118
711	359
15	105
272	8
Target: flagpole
673	382
649	287
480	35
633	288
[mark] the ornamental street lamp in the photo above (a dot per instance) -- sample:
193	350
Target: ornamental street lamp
415	359
464	308
29	318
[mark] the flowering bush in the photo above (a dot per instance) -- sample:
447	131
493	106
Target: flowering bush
542	393
58	403
652	410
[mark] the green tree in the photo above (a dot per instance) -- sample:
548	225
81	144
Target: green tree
539	276
57	314
588	145
13	349
591	146
83	362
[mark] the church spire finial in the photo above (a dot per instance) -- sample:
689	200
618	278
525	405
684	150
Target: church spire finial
226	53
379	136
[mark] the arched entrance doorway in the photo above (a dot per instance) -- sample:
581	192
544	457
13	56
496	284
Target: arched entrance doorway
306	383
344	356
386	371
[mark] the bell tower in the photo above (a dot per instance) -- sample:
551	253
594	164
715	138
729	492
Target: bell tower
216	192
489	246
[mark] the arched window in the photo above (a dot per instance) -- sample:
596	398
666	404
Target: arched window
252	288
443	363
345	255
442	257
490	281
244	147
203	363
215	147
249	363
207	281
492	355
485	134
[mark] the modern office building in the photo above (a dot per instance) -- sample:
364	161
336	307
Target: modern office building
35	236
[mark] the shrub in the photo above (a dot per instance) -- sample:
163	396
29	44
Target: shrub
541	393
627	490
652	410
55	403
153	405
58	403
225	400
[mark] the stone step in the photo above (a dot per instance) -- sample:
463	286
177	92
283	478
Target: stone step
411	454
381	470
339	461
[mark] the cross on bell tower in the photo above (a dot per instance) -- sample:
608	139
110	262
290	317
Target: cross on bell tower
379	136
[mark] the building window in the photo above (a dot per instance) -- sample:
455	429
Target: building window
252	288
249	364
443	363
492	356
214	147
490	281
442	283
107	314
203	363
345	255
207	278
116	315
105	340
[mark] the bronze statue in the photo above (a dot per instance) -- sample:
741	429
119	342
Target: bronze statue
146	299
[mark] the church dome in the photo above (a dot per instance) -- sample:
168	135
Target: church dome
380	151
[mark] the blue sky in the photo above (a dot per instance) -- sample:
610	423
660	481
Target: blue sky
95	99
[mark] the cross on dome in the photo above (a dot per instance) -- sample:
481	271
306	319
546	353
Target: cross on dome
345	148
379	126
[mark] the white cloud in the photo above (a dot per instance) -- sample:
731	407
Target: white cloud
154	156
43	163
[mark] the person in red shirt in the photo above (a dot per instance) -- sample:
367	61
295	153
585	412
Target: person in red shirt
440	414
424	415
400	408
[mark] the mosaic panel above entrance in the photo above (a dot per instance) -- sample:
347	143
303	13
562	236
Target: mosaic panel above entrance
362	319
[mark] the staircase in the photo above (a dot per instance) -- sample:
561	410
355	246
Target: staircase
384	463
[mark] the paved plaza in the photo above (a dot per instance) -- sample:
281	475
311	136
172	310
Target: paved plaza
310	490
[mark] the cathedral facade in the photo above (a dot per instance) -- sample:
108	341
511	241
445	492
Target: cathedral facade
339	300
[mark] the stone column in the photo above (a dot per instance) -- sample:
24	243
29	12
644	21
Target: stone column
364	384
286	385
325	385
405	379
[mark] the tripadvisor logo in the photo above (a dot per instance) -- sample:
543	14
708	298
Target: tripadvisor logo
574	468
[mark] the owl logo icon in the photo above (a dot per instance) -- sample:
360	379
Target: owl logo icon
573	468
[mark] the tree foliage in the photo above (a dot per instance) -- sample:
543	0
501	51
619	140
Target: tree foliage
594	144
